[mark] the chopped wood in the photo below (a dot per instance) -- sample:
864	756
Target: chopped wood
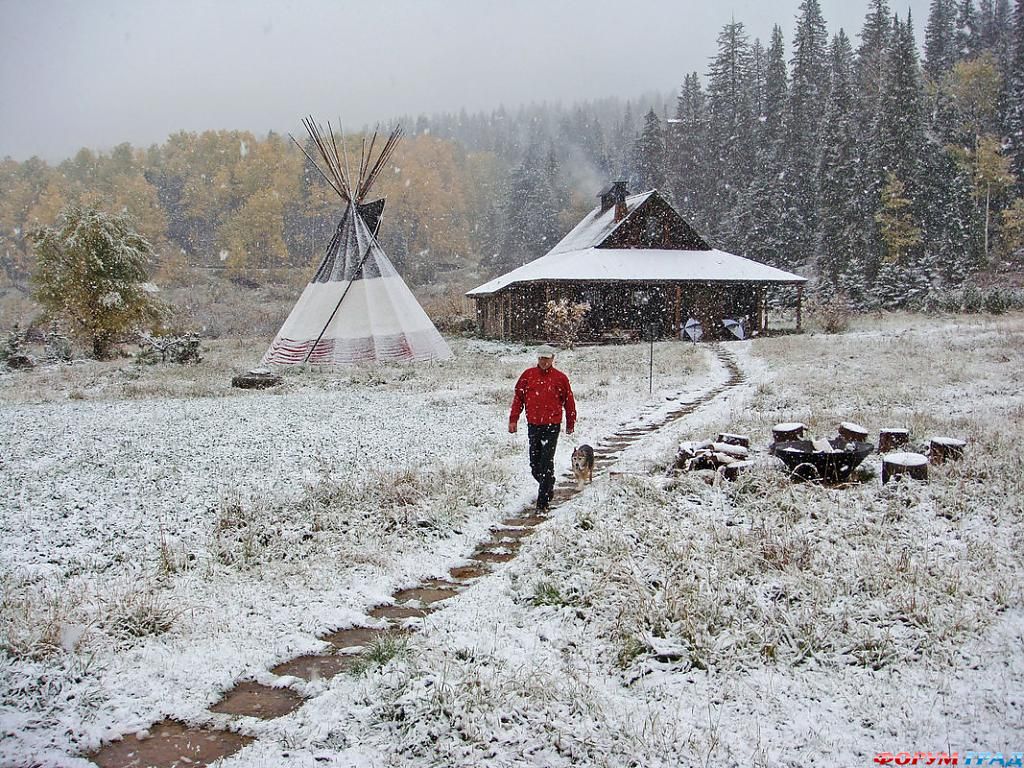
732	439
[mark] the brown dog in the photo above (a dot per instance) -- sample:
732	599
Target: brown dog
583	465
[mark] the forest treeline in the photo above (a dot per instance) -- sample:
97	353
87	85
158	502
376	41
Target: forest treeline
882	170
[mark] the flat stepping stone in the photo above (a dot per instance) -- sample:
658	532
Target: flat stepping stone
493	556
315	667
469	571
513	533
353	637
255	700
424	595
527	521
170	744
398	612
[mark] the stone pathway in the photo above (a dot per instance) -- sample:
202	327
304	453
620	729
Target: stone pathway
171	743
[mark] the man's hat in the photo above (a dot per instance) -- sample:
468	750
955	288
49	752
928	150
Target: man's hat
546	350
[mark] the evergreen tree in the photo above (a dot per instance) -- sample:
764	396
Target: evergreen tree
940	40
762	218
901	127
776	93
1015	107
806	105
968	36
649	156
687	156
840	217
950	222
730	122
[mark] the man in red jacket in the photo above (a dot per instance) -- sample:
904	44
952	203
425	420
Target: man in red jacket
545	392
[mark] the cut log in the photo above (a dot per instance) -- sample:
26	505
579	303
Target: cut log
853	433
912	465
733	450
790	430
891	438
731	439
942	448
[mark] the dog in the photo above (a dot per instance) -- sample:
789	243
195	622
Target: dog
583	465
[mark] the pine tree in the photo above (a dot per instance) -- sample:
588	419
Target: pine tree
901	125
649	155
763	213
840	218
776	92
686	149
940	40
951	235
731	127
968	35
806	105
1015	108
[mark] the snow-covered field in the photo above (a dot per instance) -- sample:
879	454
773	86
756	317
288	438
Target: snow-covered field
163	538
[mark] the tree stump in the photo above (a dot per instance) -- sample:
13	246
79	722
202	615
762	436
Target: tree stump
257	379
912	465
889	439
942	448
731	439
787	431
853	433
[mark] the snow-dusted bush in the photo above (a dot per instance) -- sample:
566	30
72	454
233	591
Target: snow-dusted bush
169	348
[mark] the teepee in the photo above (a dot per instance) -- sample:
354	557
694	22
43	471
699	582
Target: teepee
356	308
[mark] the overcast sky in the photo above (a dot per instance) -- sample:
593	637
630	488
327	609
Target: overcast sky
96	73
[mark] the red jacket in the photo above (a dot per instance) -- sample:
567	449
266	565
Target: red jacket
545	394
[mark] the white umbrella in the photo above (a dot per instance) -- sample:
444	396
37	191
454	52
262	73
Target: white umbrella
693	329
735	327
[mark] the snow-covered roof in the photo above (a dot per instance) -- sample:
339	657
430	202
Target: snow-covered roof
597	225
640	265
579	257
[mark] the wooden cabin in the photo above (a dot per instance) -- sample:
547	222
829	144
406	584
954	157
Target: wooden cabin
642	269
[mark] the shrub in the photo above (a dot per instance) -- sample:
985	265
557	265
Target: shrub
91	271
831	314
175	349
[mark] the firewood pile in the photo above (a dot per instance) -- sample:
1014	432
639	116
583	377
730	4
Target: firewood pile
727	455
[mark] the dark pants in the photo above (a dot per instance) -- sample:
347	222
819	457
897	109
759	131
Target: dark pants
543	440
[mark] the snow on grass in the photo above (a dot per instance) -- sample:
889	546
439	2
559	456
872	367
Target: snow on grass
662	621
163	535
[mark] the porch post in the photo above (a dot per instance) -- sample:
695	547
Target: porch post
679	291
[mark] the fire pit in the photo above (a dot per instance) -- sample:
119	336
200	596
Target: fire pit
830	461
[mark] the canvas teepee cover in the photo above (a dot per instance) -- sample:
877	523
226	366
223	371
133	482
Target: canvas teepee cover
356	308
